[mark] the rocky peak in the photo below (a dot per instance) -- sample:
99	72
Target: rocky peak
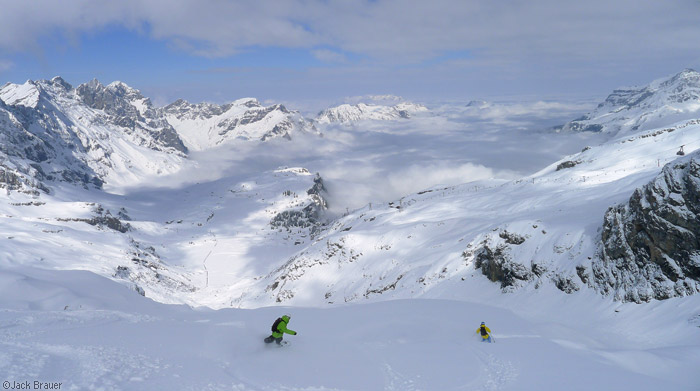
59	82
184	110
113	99
247	102
26	94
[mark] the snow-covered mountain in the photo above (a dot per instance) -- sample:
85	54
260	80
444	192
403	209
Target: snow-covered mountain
513	232
95	134
543	229
206	125
545	259
91	134
129	109
627	110
349	113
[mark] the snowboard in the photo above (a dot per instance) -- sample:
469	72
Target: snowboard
269	340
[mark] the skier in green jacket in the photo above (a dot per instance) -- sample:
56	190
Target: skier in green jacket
278	330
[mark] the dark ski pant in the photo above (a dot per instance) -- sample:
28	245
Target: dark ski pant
271	338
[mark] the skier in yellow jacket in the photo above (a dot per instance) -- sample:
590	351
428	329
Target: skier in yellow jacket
485	333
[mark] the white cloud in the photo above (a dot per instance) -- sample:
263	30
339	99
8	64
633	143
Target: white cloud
5	65
390	30
446	47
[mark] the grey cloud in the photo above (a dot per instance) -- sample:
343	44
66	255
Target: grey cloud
396	30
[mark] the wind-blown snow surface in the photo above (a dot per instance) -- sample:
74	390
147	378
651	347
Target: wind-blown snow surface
85	332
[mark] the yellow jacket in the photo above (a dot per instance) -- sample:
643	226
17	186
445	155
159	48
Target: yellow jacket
488	330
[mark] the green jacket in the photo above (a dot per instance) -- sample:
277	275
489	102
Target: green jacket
282	328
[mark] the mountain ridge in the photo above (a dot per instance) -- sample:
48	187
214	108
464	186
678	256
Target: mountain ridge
628	110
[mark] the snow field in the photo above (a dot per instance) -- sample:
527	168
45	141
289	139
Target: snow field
90	333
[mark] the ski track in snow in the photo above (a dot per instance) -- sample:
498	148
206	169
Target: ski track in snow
498	373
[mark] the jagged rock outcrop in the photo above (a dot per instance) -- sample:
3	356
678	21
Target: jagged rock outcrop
501	258
309	216
650	245
104	219
497	265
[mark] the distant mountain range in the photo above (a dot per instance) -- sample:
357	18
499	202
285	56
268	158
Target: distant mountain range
92	134
609	218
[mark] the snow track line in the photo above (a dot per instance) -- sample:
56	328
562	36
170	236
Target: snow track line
204	262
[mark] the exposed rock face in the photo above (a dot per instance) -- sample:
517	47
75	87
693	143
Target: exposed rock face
651	245
147	269
50	131
497	265
129	109
567	164
310	216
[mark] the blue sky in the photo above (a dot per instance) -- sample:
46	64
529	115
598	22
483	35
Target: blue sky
217	50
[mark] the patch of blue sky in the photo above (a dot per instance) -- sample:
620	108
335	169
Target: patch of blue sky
117	53
110	54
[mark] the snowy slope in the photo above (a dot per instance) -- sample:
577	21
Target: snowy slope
84	332
662	102
204	242
538	230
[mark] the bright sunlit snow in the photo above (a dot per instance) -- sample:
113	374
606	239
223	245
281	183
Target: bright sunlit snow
382	285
